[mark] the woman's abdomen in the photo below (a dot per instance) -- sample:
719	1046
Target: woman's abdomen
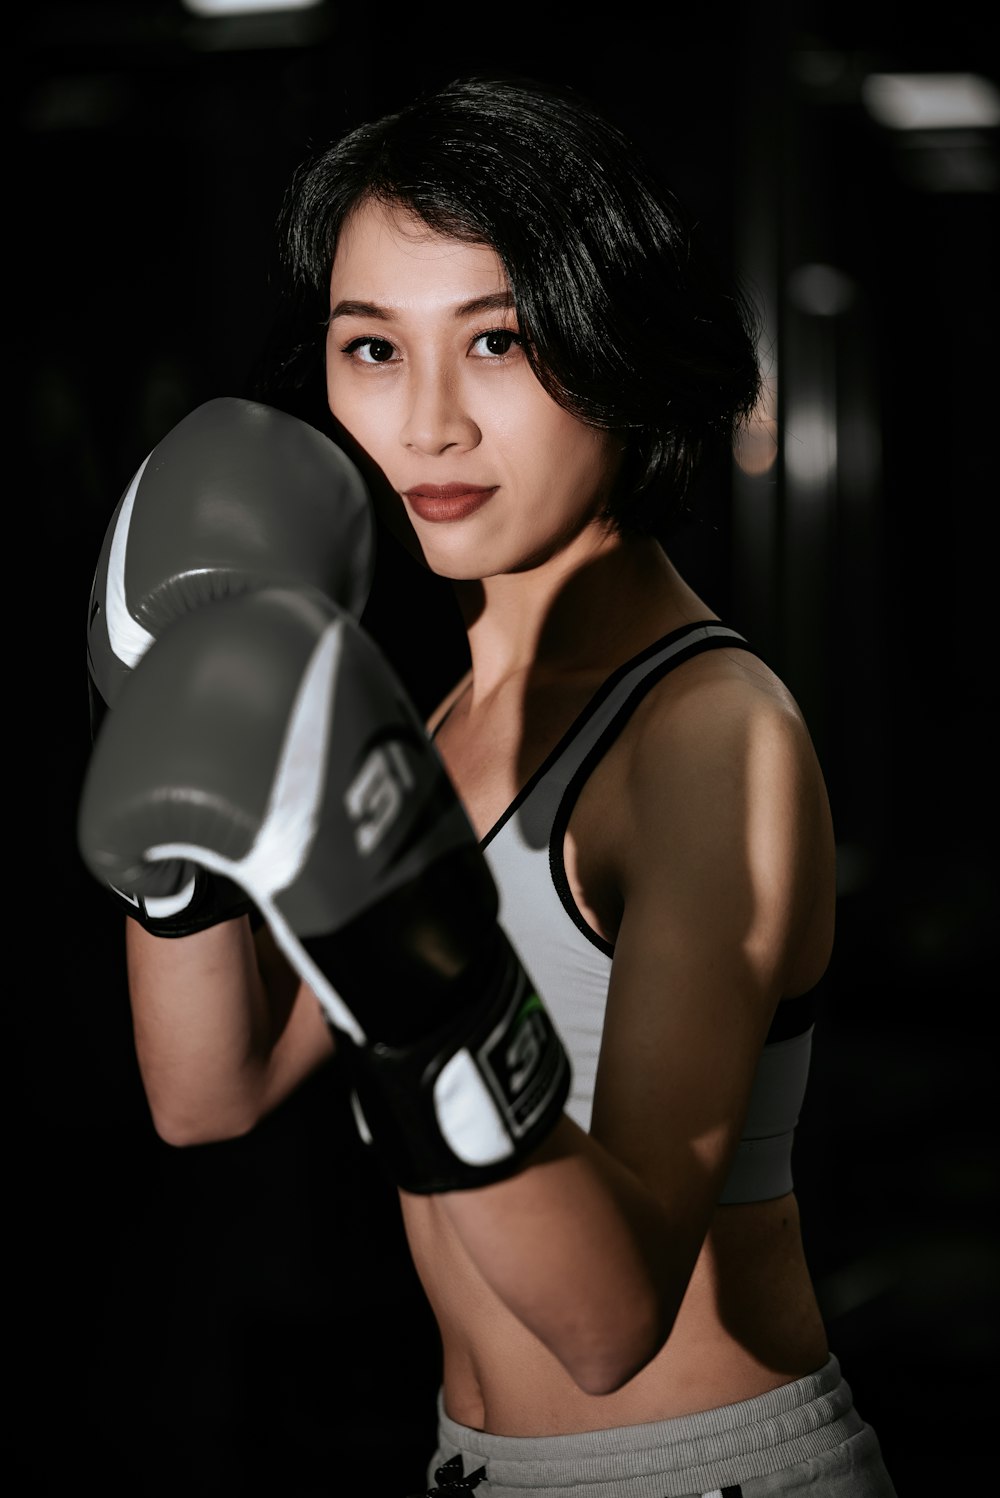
748	1323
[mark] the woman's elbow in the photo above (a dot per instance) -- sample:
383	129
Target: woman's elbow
606	1363
183	1128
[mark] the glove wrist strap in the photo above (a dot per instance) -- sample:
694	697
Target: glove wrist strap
464	1106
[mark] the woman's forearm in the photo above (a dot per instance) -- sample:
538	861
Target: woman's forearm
223	1031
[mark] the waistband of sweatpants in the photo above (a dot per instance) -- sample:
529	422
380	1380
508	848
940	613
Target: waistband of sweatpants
696	1453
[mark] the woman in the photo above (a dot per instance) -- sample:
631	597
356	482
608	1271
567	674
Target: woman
531	361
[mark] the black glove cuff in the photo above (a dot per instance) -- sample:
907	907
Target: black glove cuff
464	1106
211	900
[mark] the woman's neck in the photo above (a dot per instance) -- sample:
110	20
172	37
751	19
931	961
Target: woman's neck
587	608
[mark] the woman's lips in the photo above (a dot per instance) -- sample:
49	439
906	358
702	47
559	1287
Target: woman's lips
448	501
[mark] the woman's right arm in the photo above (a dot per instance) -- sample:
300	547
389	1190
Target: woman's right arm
224	1030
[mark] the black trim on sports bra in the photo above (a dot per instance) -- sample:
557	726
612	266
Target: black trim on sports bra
597	751
588	711
793	1016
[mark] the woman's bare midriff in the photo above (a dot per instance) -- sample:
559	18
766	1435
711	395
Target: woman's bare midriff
748	1323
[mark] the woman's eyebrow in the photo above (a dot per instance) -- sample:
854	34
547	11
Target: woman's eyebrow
495	301
359	309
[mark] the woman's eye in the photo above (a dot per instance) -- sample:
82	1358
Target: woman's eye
495	344
371	350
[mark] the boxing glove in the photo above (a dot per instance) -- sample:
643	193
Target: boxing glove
236	496
265	739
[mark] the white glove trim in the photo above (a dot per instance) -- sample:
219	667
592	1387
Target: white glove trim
467	1115
127	637
289	824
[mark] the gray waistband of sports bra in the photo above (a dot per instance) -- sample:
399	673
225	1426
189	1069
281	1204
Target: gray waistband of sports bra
671	1458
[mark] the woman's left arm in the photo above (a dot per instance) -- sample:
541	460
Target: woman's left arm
724	858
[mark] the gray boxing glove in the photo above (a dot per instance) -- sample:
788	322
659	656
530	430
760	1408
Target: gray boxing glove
236	497
266	740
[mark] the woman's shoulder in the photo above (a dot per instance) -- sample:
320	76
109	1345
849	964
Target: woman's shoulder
721	720
724	820
728	687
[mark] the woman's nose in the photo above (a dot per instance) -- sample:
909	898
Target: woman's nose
437	416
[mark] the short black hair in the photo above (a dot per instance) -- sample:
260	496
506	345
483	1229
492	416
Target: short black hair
627	322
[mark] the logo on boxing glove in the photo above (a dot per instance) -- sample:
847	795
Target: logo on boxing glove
522	1061
374	798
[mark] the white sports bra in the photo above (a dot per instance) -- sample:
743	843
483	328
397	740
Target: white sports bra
571	963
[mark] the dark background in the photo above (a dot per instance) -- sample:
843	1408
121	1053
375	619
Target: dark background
242	1318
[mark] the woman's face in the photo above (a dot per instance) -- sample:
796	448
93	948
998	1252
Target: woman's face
425	371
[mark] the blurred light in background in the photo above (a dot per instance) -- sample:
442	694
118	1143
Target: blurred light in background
942	126
822	293
811	435
756	446
821	290
255	25
810	447
245	7
931	101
